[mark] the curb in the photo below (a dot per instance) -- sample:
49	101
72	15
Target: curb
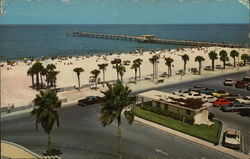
193	139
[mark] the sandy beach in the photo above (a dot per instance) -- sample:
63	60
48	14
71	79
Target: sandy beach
15	83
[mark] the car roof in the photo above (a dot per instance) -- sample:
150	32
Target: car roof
231	131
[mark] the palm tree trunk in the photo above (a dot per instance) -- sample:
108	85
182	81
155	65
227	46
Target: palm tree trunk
37	81
119	138
156	70
224	64
78	83
213	65
245	62
103	75
139	73
117	74
184	67
49	143
121	78
32	77
96	83
234	62
199	67
41	79
153	70
168	71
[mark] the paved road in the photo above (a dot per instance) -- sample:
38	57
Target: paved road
82	136
229	119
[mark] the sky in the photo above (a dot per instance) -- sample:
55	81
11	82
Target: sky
125	12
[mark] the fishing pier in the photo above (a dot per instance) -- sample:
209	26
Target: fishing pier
152	39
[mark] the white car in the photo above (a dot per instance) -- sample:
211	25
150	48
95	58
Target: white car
232	138
208	98
192	94
180	92
244	100
228	82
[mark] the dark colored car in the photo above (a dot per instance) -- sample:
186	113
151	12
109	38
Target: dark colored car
248	87
240	84
89	100
234	107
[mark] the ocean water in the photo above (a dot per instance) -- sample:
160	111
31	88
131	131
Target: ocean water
49	40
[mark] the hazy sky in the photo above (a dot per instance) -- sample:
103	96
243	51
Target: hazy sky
125	11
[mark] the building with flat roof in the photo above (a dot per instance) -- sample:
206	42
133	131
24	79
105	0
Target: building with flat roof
186	108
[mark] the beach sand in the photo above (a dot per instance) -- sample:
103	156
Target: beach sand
15	83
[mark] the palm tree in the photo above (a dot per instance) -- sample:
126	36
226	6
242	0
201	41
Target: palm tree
95	72
199	59
116	99
46	105
213	56
50	72
154	60
78	71
121	70
135	66
51	67
139	62
168	62
37	67
185	58
245	57
234	54
42	73
224	57
51	78
103	68
31	73
115	64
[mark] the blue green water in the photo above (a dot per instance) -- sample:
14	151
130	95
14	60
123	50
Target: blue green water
48	40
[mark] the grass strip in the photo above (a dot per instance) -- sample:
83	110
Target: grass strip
208	133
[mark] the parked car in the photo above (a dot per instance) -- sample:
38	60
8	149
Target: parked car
240	84
220	102
89	100
248	87
220	93
243	100
208	68
232	138
228	82
197	88
192	94
246	79
208	91
218	67
234	107
180	92
245	112
209	98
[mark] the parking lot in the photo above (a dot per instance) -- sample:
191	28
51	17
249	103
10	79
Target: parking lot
229	119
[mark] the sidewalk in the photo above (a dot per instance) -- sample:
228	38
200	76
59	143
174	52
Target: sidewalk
194	139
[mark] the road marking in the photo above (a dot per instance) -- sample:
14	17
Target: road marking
160	151
95	112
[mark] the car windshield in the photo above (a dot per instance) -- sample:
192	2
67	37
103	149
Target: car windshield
231	136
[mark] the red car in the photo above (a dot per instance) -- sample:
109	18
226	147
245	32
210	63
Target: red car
221	102
240	84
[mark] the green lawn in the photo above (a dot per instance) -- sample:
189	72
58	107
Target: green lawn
208	133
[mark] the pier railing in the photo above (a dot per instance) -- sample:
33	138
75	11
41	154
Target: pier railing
152	39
